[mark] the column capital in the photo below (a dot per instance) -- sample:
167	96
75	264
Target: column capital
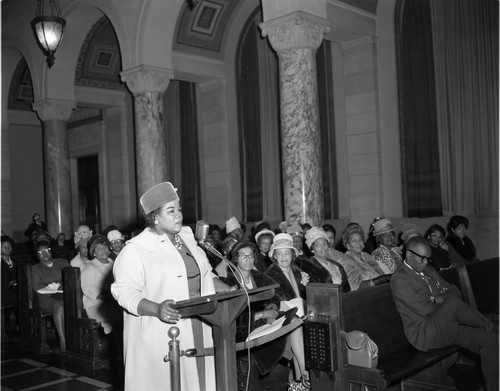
296	30
54	109
146	78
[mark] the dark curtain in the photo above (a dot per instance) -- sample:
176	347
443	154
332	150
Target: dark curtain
191	200
327	129
419	128
249	124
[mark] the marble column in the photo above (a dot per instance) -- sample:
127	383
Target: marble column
54	115
148	85
296	37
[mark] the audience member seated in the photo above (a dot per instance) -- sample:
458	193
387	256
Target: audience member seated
460	246
47	276
9	278
96	278
264	357
234	229
362	270
330	231
295	231
35	226
386	254
60	248
440	258
82	236
215	233
434	316
116	243
292	286
263	238
370	242
318	266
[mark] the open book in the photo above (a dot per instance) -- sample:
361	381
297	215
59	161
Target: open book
266	329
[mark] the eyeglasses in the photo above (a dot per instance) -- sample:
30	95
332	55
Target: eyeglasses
437	235
117	241
422	258
44	251
246	256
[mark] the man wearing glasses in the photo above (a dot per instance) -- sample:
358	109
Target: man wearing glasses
434	315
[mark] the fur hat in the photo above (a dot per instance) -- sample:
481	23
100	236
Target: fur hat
263	232
282	241
158	195
382	226
232	224
314	234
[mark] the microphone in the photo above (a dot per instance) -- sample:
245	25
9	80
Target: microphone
201	231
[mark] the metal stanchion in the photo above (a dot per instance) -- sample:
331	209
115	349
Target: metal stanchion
174	357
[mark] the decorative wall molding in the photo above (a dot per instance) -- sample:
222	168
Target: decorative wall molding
356	43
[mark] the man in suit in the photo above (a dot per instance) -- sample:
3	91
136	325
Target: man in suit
434	315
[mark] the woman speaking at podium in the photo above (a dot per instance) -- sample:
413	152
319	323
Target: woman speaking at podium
161	265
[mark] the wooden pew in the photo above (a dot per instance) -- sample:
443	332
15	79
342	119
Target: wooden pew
373	311
82	333
33	331
483	276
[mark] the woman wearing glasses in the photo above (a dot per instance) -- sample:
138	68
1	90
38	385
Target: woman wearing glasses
362	270
264	357
47	284
440	258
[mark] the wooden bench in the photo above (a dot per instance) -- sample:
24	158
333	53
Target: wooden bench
373	311
483	276
33	331
82	333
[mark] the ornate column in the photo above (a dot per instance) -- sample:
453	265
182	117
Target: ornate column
148	84
54	114
296	37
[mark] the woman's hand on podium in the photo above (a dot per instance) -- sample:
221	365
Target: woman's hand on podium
168	314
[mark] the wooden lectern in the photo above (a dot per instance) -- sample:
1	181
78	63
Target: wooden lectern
221	311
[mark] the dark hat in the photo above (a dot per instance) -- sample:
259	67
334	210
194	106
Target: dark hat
157	196
243	244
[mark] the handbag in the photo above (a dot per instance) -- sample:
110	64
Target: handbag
361	350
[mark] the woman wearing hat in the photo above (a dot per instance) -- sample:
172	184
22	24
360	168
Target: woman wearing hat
292	286
319	267
362	270
96	279
264	357
386	254
263	239
161	265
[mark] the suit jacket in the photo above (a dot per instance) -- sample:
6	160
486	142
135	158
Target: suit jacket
412	296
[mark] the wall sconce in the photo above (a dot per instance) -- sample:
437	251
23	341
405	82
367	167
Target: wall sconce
48	28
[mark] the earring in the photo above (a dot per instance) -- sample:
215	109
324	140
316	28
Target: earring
156	222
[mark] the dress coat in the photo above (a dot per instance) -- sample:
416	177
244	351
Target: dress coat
285	291
150	267
268	355
317	273
412	296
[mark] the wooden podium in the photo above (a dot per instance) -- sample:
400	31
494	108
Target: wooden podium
221	311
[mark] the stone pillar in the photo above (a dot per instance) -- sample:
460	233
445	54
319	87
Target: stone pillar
54	115
148	85
296	37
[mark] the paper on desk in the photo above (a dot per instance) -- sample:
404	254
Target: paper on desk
297	302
